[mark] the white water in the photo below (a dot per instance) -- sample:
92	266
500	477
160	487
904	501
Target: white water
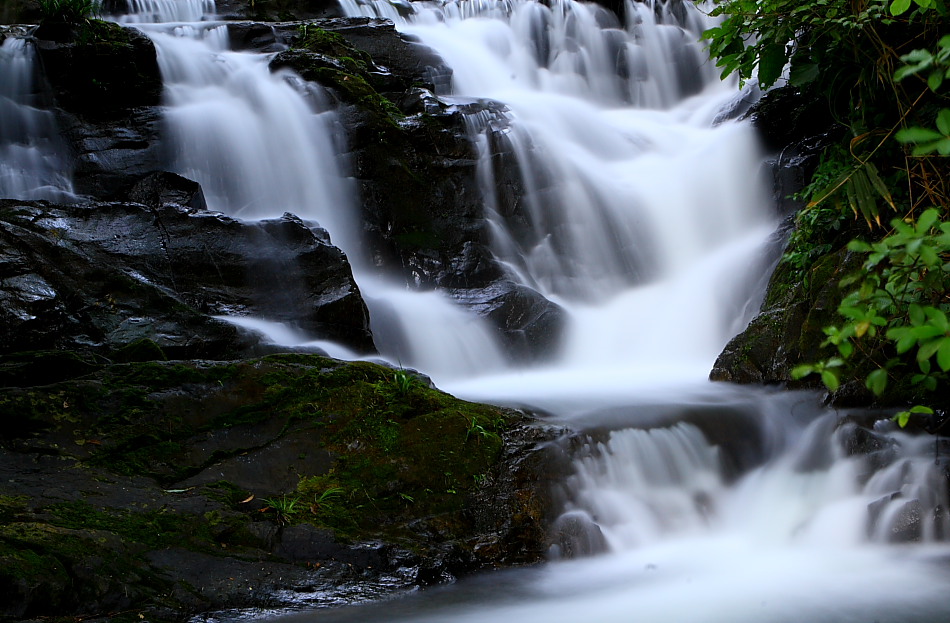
32	160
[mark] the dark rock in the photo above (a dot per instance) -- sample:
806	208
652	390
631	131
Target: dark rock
102	276
113	154
305	543
161	189
530	324
88	495
18	12
271	10
99	69
787	115
575	535
796	128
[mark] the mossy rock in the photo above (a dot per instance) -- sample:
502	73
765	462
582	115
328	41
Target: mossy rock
397	449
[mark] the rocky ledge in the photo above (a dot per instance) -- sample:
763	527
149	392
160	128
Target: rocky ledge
158	489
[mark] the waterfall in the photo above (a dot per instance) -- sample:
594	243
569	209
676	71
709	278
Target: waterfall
32	154
163	11
261	144
642	215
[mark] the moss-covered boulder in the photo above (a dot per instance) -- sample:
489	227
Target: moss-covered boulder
788	329
142	487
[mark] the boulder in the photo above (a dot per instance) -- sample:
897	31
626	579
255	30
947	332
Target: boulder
101	276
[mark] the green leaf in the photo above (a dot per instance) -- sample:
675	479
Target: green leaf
772	59
877	381
917	135
921	409
879	184
934	80
899	6
916	314
927	220
938	319
943	121
803	73
927	350
800	372
929	256
902	418
943	354
859	246
830	379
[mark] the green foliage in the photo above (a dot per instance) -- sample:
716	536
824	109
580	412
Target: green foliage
403	382
903	418
762	36
927	141
896	315
68	11
845	53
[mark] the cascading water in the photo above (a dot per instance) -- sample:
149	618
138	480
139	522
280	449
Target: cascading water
262	144
32	164
644	221
707	502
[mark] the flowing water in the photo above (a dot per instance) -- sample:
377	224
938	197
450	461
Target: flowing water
32	155
644	217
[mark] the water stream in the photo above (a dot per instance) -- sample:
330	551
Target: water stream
32	155
646	220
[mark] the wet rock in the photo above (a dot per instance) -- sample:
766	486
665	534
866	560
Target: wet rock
575	535
530	324
102	276
161	189
788	330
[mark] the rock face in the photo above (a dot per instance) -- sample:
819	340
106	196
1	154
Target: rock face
101	276
107	87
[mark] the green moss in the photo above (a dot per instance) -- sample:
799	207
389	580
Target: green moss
402	450
316	39
154	530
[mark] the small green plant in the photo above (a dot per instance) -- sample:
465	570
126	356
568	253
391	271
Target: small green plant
403	382
283	507
476	430
903	418
68	11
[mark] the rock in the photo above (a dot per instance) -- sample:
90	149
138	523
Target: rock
99	69
162	189
271	10
102	276
788	330
575	535
531	324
